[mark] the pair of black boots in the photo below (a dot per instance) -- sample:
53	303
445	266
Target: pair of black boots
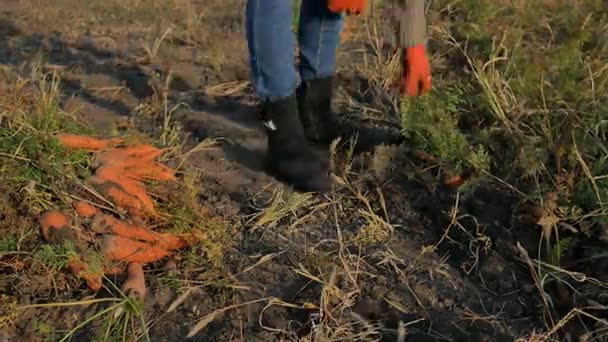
302	124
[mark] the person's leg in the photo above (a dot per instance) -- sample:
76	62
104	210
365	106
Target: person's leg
271	46
319	39
318	36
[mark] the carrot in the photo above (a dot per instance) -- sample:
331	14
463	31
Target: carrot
106	224
142	151
135	283
117	248
109	172
129	186
114	269
135	161
85	209
137	190
53	220
56	229
82	142
127	156
80	269
172	242
453	181
123	200
111	157
153	171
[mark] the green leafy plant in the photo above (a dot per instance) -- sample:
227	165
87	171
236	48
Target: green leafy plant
528	104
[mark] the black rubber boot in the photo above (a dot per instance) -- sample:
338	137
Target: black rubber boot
290	156
322	127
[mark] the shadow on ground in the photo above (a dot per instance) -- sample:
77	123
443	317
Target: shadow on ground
88	70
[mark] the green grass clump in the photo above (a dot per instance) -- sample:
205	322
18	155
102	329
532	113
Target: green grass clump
432	122
32	162
8	244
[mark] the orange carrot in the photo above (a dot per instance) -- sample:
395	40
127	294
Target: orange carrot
106	224
53	220
137	190
128	156
56	229
130	186
153	171
110	172
144	152
171	242
135	161
453	181
85	209
135	283
114	269
123	200
117	248
80	269
82	142
110	157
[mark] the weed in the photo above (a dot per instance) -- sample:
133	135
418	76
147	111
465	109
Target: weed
54	256
121	325
433	122
171	281
45	330
8	244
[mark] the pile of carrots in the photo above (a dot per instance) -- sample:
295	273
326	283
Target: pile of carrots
125	245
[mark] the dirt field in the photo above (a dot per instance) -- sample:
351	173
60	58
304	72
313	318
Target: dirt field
392	254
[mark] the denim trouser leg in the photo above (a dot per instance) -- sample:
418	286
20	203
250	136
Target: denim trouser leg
319	38
271	44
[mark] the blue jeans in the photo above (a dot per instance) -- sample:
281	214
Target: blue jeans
271	43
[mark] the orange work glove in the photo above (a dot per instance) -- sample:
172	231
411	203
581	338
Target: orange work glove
355	7
416	72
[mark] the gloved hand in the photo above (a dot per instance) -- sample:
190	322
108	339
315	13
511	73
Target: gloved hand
415	72
355	7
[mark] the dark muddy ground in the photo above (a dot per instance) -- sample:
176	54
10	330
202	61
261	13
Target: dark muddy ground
448	275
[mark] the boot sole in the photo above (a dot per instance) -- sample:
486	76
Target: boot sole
321	187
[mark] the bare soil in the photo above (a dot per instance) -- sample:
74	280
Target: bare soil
448	275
